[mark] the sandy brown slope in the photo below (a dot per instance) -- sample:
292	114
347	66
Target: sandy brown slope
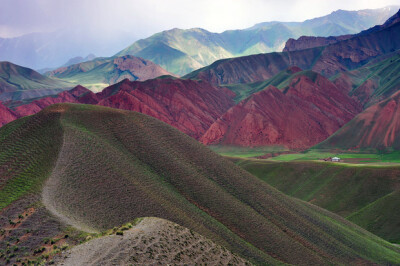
151	241
116	166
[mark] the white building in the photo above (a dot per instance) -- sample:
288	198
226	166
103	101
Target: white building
335	159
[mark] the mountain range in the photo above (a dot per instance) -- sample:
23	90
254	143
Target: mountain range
245	113
122	170
182	51
328	60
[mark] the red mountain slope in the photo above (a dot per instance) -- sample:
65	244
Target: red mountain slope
6	115
78	94
190	106
308	111
376	127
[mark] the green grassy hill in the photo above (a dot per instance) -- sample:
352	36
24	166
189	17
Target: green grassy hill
17	82
365	195
99	168
375	81
104	71
281	81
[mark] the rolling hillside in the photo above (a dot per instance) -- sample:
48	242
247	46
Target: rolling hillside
182	51
104	167
365	195
327	60
17	82
102	72
307	109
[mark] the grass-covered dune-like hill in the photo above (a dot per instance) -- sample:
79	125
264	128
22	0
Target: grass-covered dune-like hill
98	168
365	195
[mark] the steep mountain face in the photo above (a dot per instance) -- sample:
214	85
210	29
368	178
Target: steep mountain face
191	106
101	72
78	94
182	51
6	115
306	42
301	115
97	168
377	127
327	60
374	81
16	80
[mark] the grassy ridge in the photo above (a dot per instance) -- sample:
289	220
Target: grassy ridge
281	81
366	195
28	151
115	166
147	168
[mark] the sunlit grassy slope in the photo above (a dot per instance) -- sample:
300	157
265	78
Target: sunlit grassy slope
110	166
365	195
281	81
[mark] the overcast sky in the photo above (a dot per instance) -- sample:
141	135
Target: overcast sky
145	17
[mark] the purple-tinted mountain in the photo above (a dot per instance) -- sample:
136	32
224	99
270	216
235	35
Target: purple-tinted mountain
328	60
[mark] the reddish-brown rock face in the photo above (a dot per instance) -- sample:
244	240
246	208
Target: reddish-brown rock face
376	127
71	96
298	117
6	115
306	42
188	105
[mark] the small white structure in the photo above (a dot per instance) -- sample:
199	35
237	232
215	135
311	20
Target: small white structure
335	159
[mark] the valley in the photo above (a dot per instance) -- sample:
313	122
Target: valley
266	145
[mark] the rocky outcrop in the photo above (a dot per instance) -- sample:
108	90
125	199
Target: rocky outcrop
305	113
306	42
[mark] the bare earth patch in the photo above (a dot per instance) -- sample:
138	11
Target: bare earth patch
152	241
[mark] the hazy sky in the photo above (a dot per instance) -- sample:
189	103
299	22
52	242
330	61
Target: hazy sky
145	17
